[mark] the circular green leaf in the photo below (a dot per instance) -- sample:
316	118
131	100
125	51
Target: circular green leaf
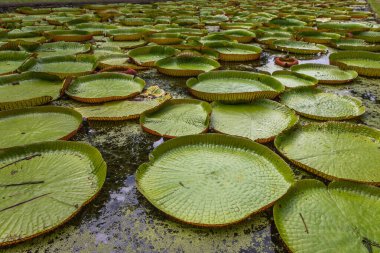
343	217
69	35
62	66
10	61
343	26
292	79
355	44
334	150
147	56
121	110
289	22
316	104
117	61
268	37
30	125
163	38
45	184
317	37
127	34
240	35
365	63
61	48
177	117
325	73
368	36
260	120
234	86
28	89
105	87
298	47
229	51
214	37
186	65
213	179
94	28
123	44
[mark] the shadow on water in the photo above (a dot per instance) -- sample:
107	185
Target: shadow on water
120	219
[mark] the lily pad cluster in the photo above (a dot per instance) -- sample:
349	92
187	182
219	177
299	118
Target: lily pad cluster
219	166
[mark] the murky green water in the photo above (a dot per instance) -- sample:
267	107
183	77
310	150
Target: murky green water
121	220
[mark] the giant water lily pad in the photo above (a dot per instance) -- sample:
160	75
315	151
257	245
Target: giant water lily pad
165	38
316	104
268	37
10	61
213	179
292	79
45	184
368	36
61	48
30	125
343	26
137	21
260	120
126	109
186	65
100	51
317	37
69	35
325	73
234	86
298	47
117	61
127	34
105	87
62	66
190	43
177	117
287	22
334	150
122	44
16	43
343	217
365	63
216	37
229	51
186	31
69	19
21	33
240	35
147	56
355	44
94	28
237	25
28	89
